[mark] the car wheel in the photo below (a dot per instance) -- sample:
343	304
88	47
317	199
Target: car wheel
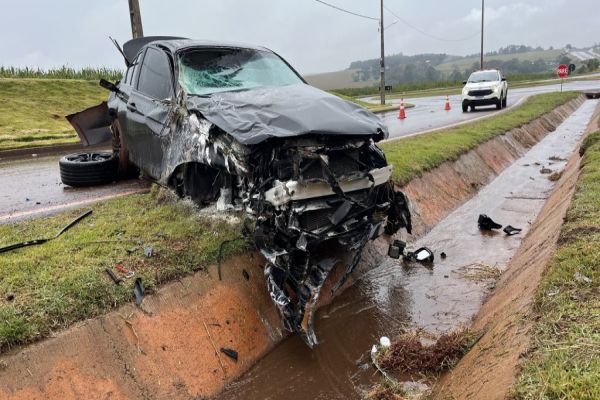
465	108
505	100
126	169
88	169
472	108
499	104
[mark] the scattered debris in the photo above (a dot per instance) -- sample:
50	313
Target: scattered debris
479	272
139	291
42	241
443	255
511	230
10	297
557	158
148	251
230	353
408	354
246	275
396	249
485	223
579	277
113	276
212	342
422	255
385	342
555	176
124	271
545	170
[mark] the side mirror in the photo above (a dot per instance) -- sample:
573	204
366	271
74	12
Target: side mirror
464	82
109	86
503	79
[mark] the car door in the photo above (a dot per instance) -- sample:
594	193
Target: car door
148	109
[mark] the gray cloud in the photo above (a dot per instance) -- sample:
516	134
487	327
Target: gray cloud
312	37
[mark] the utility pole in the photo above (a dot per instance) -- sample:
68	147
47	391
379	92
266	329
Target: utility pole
482	11
136	19
382	88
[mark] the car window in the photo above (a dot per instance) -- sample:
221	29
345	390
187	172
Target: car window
155	75
484	76
135	68
207	71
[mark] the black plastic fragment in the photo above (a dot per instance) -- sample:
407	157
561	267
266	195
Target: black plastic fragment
42	241
511	230
230	353
413	256
139	291
396	249
113	276
443	255
340	214
485	223
246	275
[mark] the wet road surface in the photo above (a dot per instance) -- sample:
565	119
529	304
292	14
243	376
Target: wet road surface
394	296
32	187
429	113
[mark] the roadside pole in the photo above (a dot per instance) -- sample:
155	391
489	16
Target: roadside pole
136	19
482	13
382	83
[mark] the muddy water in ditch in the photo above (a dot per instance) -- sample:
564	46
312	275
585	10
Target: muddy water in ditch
394	296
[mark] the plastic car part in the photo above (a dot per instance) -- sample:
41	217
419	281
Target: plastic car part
396	249
511	230
485	223
139	291
422	255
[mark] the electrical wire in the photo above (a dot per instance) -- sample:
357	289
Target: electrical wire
426	33
347	11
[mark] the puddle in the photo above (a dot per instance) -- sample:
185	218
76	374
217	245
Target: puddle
394	296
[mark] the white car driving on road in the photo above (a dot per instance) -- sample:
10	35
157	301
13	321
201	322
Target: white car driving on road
485	88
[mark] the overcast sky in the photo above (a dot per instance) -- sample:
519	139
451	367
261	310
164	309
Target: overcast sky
311	36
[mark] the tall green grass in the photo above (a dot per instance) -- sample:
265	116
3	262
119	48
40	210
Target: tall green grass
64	72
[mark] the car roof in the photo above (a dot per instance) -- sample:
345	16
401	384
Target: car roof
174	44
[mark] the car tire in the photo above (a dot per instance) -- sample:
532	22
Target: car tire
499	104
126	169
472	108
465	107
505	101
88	169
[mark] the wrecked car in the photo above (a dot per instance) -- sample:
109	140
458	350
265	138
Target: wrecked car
237	126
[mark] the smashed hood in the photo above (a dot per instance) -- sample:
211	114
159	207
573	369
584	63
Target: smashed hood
252	116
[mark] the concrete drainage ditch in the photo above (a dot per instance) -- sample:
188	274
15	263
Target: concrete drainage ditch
165	350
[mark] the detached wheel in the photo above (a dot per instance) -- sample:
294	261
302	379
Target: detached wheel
88	169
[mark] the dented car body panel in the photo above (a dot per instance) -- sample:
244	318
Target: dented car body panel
237	126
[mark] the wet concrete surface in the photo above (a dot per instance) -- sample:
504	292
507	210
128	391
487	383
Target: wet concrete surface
396	296
31	187
429	112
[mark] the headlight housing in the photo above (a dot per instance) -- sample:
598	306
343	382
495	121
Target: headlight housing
465	91
497	88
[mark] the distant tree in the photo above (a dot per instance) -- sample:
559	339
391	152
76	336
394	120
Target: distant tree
568	47
563	59
592	64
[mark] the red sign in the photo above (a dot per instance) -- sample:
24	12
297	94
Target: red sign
562	71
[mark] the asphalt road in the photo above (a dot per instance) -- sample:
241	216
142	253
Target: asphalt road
31	187
429	113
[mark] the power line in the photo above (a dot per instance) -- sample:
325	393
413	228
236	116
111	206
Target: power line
426	33
347	11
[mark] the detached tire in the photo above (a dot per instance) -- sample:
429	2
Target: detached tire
88	169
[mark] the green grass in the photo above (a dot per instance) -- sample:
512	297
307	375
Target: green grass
32	111
49	287
565	361
412	156
63	72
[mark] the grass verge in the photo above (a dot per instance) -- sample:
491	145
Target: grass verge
32	111
49	287
565	360
415	155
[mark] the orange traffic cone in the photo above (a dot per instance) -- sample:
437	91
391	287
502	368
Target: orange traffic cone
447	106
402	114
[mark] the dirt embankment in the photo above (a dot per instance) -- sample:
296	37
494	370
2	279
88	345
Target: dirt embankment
167	348
489	369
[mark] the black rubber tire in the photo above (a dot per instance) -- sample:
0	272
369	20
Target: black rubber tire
88	169
505	101
499	104
465	108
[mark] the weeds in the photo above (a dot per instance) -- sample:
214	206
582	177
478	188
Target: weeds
64	72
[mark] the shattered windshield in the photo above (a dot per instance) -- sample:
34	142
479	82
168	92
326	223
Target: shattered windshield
484	76
206	71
